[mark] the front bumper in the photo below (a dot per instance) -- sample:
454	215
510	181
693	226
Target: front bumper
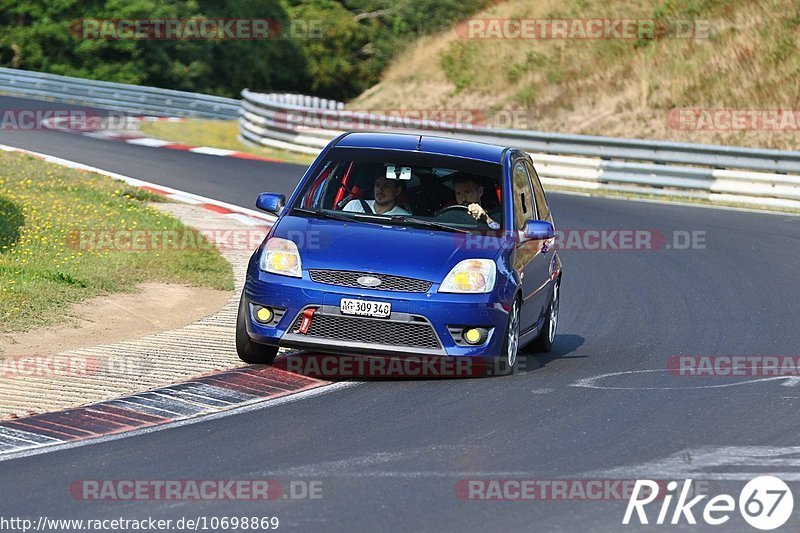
418	324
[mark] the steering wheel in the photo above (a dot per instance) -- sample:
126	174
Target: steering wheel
455	213
454	207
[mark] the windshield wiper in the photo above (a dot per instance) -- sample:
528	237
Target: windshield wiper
426	223
323	214
350	217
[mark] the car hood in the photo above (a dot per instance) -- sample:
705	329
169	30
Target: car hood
383	249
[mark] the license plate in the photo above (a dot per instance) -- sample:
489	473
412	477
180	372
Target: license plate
365	308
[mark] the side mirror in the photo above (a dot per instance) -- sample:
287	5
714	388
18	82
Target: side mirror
271	202
539	230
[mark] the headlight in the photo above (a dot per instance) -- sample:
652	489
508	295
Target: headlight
471	275
280	256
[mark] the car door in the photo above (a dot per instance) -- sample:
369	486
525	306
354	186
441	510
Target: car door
544	212
529	261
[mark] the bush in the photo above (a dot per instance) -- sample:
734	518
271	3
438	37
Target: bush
360	37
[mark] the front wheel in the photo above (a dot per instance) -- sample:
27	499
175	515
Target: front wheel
249	351
544	342
507	362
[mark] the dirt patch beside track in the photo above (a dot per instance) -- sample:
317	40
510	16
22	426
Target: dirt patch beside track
50	373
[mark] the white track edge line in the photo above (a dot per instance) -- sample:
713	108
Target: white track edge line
673	202
138	183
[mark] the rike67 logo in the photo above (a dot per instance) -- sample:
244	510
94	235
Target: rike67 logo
765	503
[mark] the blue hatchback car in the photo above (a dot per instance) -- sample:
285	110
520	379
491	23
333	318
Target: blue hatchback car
399	244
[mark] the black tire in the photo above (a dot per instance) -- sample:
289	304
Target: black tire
506	363
544	342
249	351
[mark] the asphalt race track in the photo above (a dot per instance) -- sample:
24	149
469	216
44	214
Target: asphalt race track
390	453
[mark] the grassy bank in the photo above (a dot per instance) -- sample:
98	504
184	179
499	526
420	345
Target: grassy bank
216	134
749	59
43	270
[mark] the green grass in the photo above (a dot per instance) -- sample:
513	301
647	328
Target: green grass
458	63
216	134
42	268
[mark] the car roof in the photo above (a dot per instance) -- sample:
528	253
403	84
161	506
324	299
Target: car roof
424	143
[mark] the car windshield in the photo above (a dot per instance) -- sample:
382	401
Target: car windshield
437	193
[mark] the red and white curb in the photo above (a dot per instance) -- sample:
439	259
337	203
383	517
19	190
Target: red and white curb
200	397
132	136
246	216
141	140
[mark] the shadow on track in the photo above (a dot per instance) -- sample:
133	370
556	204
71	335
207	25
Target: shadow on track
562	347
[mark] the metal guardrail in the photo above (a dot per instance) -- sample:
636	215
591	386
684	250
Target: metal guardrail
306	124
769	178
132	99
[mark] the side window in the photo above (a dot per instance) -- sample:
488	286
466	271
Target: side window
538	191
523	196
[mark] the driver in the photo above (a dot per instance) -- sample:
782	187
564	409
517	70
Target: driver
469	193
386	193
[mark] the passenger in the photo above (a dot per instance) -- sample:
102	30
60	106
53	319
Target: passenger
386	194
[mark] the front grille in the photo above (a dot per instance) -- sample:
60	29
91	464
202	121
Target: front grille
346	278
371	331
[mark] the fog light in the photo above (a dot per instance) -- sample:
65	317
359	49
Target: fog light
473	336
264	314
